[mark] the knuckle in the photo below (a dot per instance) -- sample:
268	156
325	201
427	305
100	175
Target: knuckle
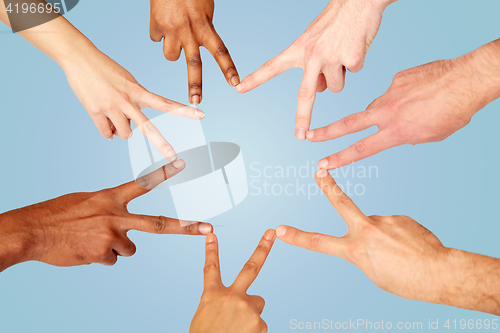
350	121
315	240
94	111
159	224
344	201
165	146
149	127
194	60
195	85
210	266
230	69
355	252
306	93
262	248
270	65
221	51
360	148
191	229
131	249
251	267
143	181
240	303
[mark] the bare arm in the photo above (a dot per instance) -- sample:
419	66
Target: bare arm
402	257
109	93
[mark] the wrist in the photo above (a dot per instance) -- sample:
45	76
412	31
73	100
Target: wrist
14	246
80	51
381	5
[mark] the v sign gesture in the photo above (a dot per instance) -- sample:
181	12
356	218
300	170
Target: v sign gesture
230	309
402	257
84	228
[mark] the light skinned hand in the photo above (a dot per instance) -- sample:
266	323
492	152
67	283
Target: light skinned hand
337	39
109	93
112	98
84	228
187	24
402	257
424	104
230	309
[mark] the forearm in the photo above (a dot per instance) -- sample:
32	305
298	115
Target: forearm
484	70
472	281
57	38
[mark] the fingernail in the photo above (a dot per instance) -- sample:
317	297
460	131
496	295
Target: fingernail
310	135
130	135
323	164
205	228
269	235
300	133
195	99
235	80
210	238
110	138
171	156
179	164
321	173
240	87
281	231
200	114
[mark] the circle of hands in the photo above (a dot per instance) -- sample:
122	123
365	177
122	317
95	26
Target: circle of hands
427	103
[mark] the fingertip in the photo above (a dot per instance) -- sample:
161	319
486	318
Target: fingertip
234	81
300	134
281	231
270	235
200	114
179	164
241	87
211	238
171	156
310	135
323	164
205	228
195	99
321	173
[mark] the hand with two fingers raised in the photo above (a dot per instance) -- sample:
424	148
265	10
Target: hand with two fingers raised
338	39
230	309
187	24
85	228
402	257
424	104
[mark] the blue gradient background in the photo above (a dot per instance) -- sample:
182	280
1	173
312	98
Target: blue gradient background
50	147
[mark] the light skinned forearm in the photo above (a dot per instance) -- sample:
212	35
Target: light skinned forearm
58	38
471	281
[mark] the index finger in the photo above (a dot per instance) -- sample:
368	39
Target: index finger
253	266
305	100
271	68
218	50
154	136
340	201
211	270
142	185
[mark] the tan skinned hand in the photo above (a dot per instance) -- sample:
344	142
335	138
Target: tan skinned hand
230	309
